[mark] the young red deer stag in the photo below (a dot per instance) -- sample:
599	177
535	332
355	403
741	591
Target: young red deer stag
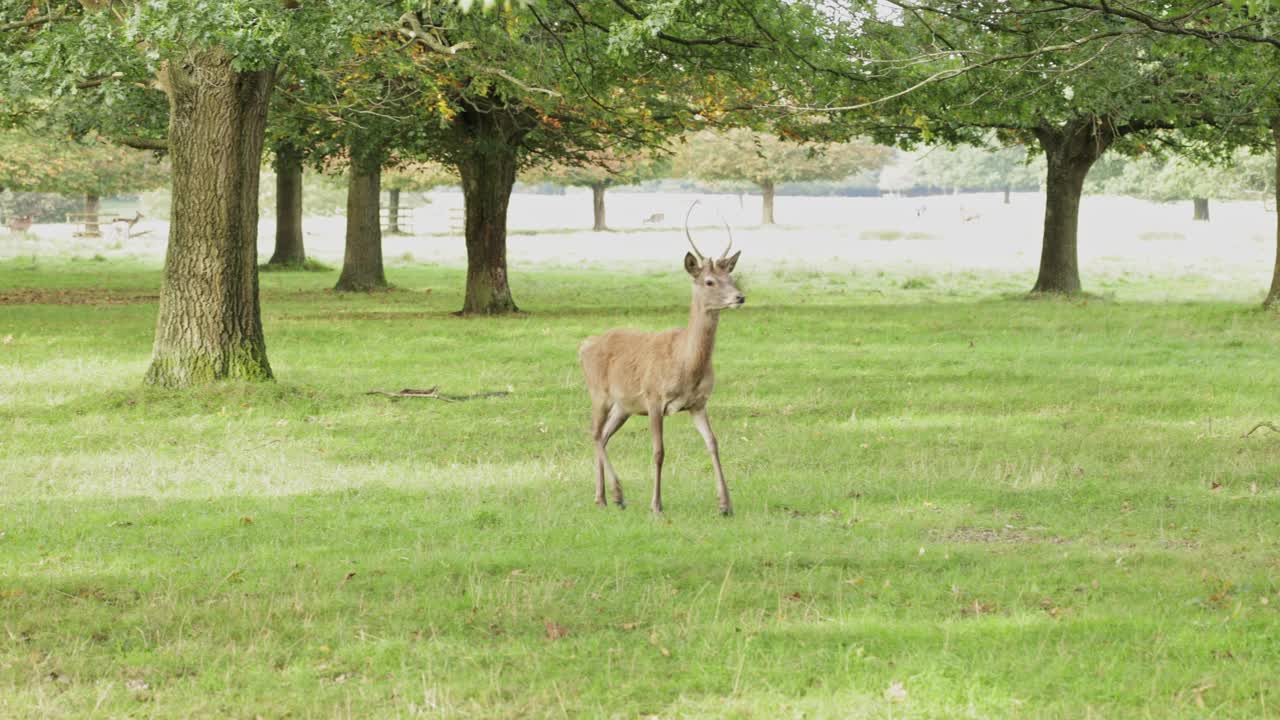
659	374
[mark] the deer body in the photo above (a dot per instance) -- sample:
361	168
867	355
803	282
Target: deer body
629	372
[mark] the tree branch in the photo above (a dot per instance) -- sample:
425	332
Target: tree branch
1172	26
957	71
31	22
141	143
691	42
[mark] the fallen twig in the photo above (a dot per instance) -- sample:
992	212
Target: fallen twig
434	393
1270	426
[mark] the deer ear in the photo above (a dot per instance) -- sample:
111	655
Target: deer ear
727	264
691	264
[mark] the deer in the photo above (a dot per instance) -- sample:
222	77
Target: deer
629	372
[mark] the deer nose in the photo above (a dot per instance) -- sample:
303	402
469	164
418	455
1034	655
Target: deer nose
742	299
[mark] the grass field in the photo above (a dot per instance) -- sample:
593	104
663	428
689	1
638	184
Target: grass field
951	502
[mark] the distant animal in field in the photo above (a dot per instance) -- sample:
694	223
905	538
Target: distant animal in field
630	372
967	215
654	219
122	227
921	210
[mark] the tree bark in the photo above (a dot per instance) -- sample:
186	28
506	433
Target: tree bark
597	207
209	326
488	170
1200	209
1273	295
1006	194
766	215
92	205
289	249
362	263
393	211
1071	151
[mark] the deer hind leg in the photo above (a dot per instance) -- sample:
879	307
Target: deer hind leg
703	423
599	413
655	427
615	420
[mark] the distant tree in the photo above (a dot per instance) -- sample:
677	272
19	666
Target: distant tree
290	250
1169	179
600	171
88	167
970	167
412	177
743	155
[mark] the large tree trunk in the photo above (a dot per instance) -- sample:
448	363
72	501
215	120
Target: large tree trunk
597	207
488	172
766	214
362	263
1071	151
393	211
289	250
1273	295
92	205
209	325
1200	209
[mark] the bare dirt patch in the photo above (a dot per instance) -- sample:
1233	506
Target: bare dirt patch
77	296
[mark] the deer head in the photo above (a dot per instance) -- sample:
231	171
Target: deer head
713	286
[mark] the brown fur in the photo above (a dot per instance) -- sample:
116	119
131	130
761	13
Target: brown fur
630	372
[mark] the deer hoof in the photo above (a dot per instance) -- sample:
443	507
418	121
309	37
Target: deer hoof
622	505
657	510
600	502
726	512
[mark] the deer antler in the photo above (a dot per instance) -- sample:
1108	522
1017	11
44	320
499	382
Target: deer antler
689	235
730	231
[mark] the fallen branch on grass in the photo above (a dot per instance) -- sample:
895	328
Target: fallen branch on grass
1270	426
434	393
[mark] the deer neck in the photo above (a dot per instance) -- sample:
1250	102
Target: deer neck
700	338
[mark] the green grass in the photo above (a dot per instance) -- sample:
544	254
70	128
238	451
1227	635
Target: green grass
952	502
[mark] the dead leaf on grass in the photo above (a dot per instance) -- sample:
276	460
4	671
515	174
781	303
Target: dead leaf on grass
555	631
896	692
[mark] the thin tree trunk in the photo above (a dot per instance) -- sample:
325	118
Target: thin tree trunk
1006	194
92	205
393	211
597	207
488	172
1200	209
209	326
362	263
1071	152
766	215
1273	295
289	249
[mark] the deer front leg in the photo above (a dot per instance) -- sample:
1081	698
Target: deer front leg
599	413
617	417
655	427
703	423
